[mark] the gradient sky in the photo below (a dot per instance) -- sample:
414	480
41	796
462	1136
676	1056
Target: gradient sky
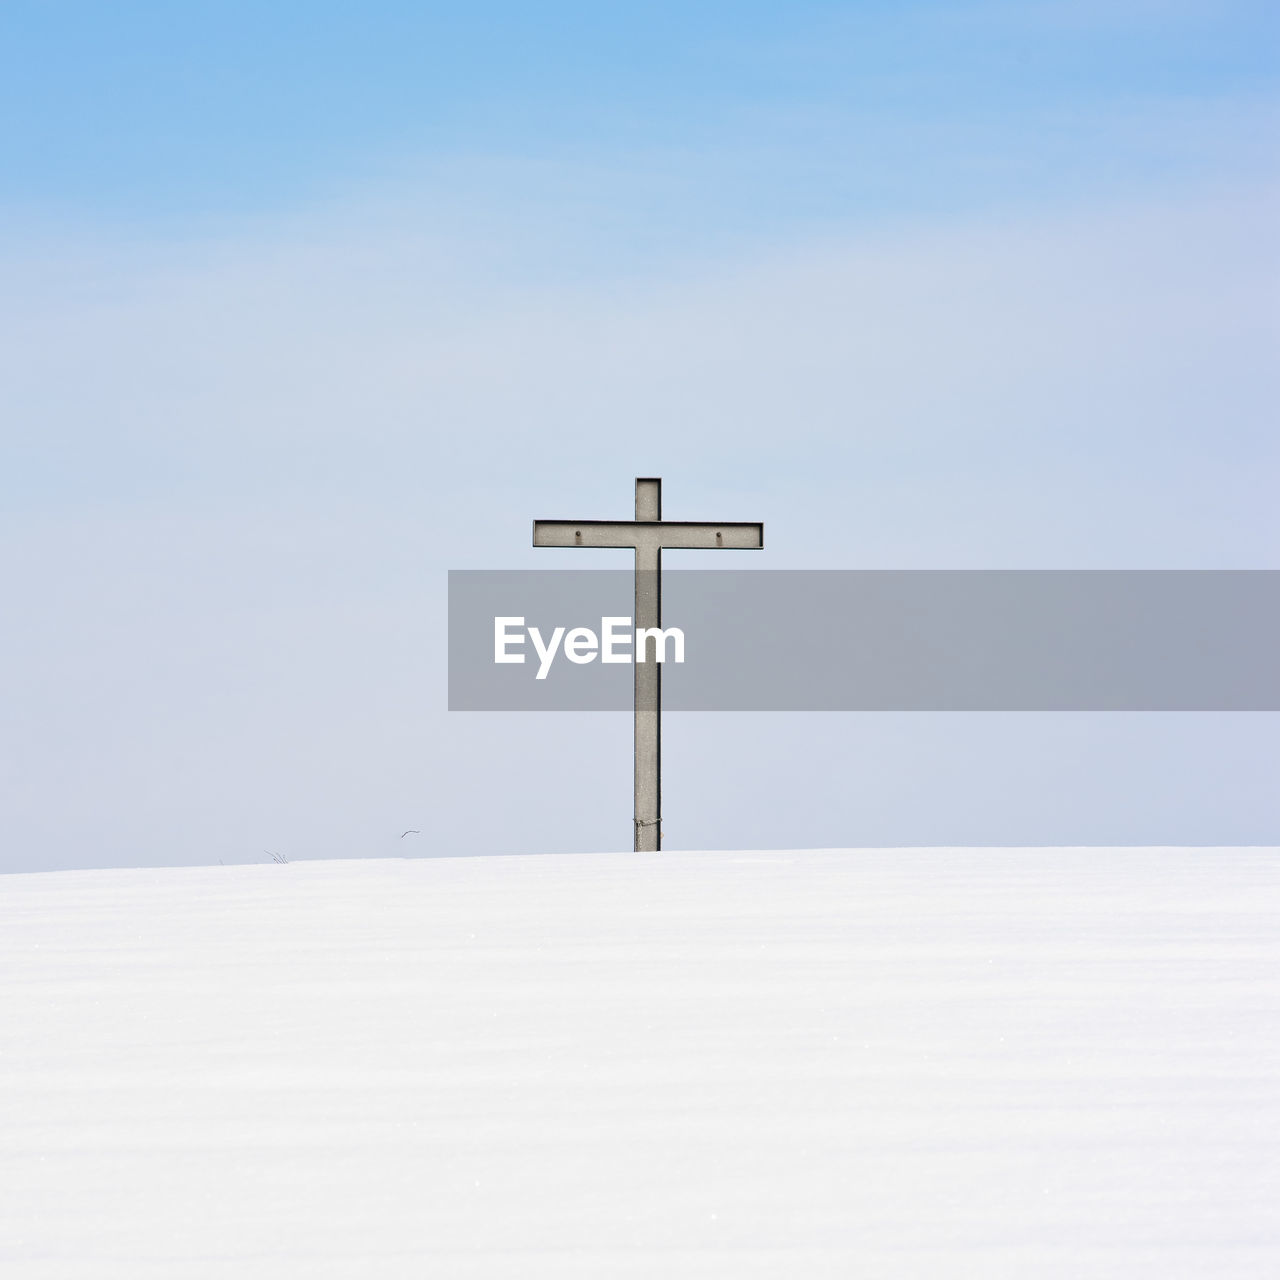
302	305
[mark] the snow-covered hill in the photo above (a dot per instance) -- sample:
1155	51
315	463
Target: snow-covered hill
979	1063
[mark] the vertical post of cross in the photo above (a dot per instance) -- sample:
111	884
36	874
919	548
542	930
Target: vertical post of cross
648	671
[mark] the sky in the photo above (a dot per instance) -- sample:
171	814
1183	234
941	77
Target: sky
302	306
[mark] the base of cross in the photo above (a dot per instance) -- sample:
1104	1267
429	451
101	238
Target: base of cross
640	844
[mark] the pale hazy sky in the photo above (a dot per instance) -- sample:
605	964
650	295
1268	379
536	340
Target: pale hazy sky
303	305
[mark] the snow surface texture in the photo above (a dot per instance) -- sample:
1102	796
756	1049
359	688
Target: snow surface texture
979	1063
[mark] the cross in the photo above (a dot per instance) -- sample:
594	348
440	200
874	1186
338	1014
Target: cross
648	535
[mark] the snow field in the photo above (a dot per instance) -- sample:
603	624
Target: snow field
885	1063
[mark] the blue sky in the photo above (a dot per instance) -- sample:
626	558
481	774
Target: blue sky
755	113
303	305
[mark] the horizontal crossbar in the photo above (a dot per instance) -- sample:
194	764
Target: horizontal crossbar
691	535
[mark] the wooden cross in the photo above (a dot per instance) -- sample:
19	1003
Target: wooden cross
648	535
